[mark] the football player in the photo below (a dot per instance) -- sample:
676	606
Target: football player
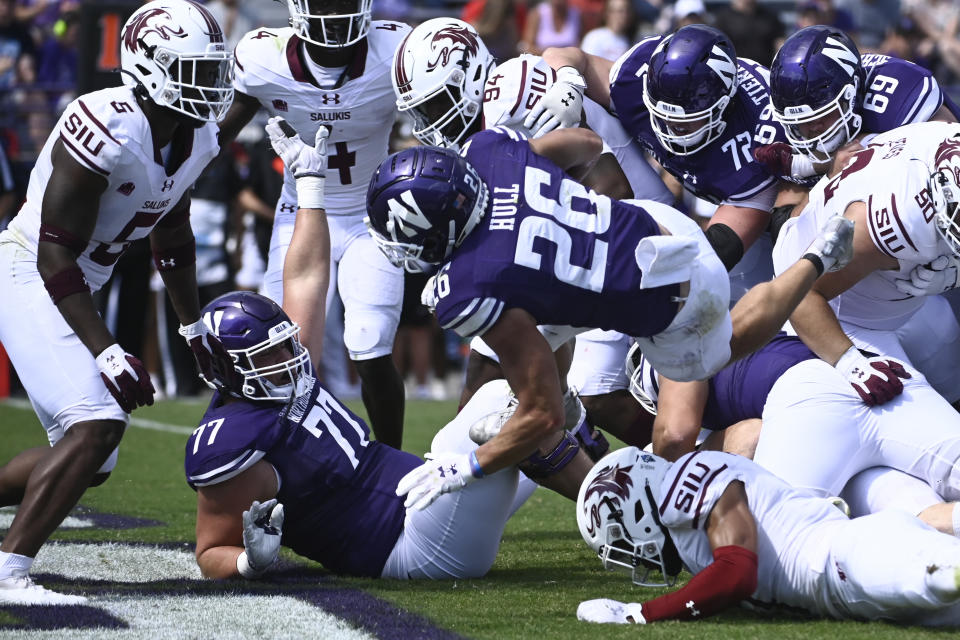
520	242
277	459
446	79
804	405
118	166
749	537
332	68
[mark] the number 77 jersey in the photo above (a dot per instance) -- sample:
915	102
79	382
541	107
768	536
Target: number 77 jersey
549	246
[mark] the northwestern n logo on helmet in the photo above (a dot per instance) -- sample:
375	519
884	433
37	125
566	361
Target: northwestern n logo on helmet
405	217
461	39
156	21
722	65
839	53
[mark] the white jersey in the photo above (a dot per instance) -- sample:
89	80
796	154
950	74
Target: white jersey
516	86
106	132
793	527
891	176
360	109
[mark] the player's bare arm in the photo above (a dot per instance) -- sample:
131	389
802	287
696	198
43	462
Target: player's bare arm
530	368
219	518
730	521
180	280
70	207
241	112
574	150
594	69
680	407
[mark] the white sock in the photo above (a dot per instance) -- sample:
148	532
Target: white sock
14	563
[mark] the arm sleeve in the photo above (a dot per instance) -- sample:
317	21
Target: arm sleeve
731	577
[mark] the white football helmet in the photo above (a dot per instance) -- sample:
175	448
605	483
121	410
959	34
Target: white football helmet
330	23
945	191
618	517
439	72
175	50
644	382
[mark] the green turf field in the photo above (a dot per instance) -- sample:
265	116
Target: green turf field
541	574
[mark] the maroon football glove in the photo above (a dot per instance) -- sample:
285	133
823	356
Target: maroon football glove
215	364
125	378
777	158
876	379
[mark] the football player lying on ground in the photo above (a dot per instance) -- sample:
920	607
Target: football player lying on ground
749	537
817	433
521	243
278	460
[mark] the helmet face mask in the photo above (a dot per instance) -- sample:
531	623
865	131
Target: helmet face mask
176	53
687	85
422	203
945	193
618	517
439	73
816	84
644	386
331	23
264	344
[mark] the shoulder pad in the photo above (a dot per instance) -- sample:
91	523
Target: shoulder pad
691	487
93	130
228	442
514	88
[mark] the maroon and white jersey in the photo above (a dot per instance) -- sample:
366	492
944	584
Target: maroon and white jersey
793	527
360	109
106	132
891	176
516	86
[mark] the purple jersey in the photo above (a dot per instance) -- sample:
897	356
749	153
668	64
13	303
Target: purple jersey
337	487
723	171
897	93
740	390
549	246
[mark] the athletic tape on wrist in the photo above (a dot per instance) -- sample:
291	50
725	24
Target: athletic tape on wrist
243	566
179	257
66	283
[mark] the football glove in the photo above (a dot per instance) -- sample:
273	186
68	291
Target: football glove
307	164
876	379
606	610
931	279
782	161
216	365
441	473
125	378
560	107
262	528
834	246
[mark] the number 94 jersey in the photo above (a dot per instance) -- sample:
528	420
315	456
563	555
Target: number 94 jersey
549	246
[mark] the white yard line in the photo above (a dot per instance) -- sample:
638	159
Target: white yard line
142	423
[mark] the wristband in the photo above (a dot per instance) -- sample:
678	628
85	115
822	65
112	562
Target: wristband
475	467
243	566
817	262
66	283
310	191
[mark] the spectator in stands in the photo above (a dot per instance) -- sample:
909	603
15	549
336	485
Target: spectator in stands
235	19
499	23
755	30
872	20
8	188
940	22
43	14
17	49
58	62
552	23
616	35
686	12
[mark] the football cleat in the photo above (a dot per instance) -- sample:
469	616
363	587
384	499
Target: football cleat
21	589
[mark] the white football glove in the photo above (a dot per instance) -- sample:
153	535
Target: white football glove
560	107
876	379
441	473
834	246
931	279
307	164
262	525
606	610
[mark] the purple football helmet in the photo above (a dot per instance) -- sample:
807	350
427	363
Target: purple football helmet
690	80
264	344
816	85
421	204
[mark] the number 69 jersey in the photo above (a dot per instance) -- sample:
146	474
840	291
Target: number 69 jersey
549	246
338	488
360	109
107	133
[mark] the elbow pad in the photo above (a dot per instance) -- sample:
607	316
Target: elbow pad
726	243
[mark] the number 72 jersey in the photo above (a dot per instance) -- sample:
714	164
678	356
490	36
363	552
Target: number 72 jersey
549	246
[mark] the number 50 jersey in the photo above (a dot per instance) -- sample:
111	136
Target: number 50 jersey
549	246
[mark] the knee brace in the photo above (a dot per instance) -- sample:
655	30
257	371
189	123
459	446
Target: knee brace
539	466
592	441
